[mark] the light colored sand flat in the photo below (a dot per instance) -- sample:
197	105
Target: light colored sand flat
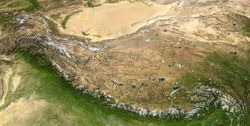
16	81
11	79
5	79
113	20
19	112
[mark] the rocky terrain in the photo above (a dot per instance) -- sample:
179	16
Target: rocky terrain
141	69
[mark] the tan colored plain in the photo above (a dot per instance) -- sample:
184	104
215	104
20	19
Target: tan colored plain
21	111
113	20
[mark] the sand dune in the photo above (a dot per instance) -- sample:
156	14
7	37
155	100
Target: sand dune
113	20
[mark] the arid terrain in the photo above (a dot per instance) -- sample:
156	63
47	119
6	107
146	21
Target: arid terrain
161	58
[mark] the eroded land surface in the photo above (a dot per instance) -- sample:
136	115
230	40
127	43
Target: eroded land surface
136	54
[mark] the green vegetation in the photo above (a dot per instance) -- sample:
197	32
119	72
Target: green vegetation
55	16
17	3
65	20
4	19
89	3
71	107
33	5
112	1
58	0
229	72
84	33
246	28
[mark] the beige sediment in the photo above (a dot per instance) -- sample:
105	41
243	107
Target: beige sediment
21	111
15	79
9	80
5	80
18	112
110	21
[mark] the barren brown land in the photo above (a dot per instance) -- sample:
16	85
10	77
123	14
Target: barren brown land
135	54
